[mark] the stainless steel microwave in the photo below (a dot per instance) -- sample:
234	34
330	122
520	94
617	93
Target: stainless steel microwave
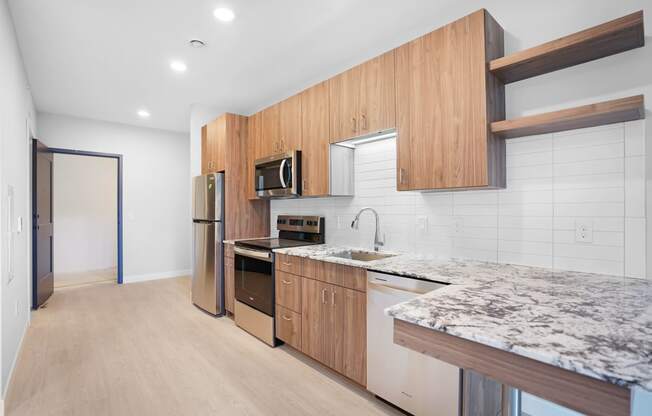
278	176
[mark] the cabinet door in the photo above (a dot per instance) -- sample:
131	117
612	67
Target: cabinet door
354	335
216	144
312	312
290	124
229	284
254	138
333	318
270	143
205	157
442	108
344	93
315	146
377	94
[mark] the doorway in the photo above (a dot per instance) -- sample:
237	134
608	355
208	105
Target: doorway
77	219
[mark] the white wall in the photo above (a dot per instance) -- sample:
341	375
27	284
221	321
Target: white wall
157	223
85	213
16	120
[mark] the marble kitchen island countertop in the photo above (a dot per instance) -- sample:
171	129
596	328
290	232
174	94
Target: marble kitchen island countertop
596	325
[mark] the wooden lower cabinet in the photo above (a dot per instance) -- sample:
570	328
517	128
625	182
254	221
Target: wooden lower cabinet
312	312
229	284
334	328
288	326
354	335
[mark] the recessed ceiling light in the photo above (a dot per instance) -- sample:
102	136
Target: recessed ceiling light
178	66
223	14
143	113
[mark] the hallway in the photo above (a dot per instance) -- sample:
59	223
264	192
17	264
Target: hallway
144	349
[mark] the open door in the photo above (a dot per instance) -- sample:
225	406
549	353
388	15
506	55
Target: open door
42	230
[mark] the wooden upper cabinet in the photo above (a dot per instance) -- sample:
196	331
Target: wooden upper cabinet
315	140
290	136
344	93
214	145
205	158
377	94
446	100
271	131
281	127
254	143
363	99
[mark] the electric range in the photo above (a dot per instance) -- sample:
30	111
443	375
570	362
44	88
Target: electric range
255	272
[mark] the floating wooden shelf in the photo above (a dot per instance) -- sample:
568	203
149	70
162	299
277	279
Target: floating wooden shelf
597	42
607	112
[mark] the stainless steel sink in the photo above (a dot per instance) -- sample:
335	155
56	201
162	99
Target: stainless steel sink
362	255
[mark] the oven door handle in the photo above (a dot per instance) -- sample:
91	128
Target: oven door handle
261	255
281	173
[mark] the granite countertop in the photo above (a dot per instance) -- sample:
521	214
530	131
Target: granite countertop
596	325
243	239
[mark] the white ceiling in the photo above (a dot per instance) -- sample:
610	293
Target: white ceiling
105	59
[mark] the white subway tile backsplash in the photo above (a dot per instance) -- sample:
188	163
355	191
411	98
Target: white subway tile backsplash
580	154
593	209
594	175
525	234
589	167
599	181
613	133
635	187
635	229
525	197
635	138
531	144
599	224
566	196
589	266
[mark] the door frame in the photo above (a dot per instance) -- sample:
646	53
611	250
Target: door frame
118	157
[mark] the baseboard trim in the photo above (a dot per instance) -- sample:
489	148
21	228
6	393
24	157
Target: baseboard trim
156	276
14	362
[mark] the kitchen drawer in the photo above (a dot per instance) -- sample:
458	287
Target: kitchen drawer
288	326
228	250
288	290
338	274
289	264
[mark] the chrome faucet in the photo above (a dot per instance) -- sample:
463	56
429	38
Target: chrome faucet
379	240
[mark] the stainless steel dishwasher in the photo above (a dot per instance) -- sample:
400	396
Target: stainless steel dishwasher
414	382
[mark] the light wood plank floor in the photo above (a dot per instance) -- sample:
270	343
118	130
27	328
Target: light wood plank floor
144	349
62	280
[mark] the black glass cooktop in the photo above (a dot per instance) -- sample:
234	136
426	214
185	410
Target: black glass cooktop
273	243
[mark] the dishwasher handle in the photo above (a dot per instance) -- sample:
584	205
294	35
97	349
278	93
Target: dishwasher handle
400	283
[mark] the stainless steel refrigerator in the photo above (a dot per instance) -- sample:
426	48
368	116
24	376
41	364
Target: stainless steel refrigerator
207	247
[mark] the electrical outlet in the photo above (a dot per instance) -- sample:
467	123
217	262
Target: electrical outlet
339	222
422	223
584	231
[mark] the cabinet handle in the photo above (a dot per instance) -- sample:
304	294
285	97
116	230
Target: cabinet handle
333	298
401	175
364	122
286	282
354	124
287	264
304	184
285	318
323	296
